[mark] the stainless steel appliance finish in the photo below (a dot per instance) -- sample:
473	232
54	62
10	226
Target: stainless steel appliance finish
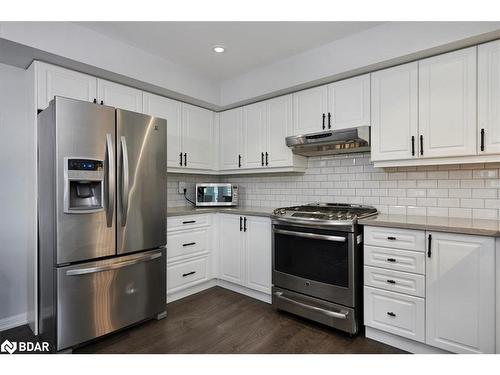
216	194
84	131
88	287
141	160
317	260
100	297
330	142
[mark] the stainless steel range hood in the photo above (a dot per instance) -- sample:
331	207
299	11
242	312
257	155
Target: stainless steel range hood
330	142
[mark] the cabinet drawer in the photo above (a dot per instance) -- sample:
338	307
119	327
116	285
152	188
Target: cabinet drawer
395	281
186	274
186	243
396	313
405	239
189	221
398	260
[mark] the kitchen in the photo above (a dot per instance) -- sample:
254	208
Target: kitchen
358	211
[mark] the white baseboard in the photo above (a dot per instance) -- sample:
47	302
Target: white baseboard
223	284
13	321
243	290
402	342
191	290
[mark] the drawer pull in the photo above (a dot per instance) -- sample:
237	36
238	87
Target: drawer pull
391	281
392	260
189	244
392	238
390	313
188	274
189	222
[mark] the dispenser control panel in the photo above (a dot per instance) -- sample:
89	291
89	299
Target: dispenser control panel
84	165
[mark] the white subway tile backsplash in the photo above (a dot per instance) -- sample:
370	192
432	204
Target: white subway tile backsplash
445	190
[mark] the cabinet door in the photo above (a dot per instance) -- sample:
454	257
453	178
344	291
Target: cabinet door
55	81
119	96
231	257
447	104
169	110
488	98
460	293
230	139
279	126
394	95
258	253
349	103
254	135
309	110
197	136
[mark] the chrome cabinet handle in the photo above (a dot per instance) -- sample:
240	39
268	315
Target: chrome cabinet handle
310	235
114	266
111	181
125	180
333	314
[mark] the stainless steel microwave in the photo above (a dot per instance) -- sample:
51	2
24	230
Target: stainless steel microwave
216	194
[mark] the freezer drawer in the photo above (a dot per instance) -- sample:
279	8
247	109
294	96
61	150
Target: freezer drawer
100	297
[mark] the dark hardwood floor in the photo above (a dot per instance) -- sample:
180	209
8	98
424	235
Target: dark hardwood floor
220	321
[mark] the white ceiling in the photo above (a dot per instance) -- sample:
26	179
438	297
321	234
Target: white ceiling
249	45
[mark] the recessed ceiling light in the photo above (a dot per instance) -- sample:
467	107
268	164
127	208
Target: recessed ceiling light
219	49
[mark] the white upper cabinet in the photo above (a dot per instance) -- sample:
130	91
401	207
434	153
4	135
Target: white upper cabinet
447	104
258	254
310	108
489	98
55	81
119	96
230	139
170	110
460	293
279	126
197	137
394	113
254	135
349	103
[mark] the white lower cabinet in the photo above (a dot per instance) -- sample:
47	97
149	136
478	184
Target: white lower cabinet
245	251
189	252
396	313
441	293
460	294
258	254
231	249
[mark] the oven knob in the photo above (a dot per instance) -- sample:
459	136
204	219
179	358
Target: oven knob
308	283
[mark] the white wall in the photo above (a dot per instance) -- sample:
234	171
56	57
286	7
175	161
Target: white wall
89	47
16	196
368	48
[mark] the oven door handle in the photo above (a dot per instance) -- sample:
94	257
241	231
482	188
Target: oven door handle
311	235
333	314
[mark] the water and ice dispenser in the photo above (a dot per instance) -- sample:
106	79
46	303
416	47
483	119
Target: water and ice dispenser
83	185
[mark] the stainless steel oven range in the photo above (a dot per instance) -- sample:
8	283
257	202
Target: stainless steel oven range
317	262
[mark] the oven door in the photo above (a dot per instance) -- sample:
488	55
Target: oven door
315	262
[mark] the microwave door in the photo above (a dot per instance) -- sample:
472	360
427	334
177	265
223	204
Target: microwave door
141	182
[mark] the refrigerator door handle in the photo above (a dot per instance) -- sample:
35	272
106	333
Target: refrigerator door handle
113	266
111	181
125	180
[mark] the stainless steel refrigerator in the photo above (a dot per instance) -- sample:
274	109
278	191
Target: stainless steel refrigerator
102	220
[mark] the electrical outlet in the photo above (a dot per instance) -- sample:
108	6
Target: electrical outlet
182	186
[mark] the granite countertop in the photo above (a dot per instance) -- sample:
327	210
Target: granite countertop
243	210
439	224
